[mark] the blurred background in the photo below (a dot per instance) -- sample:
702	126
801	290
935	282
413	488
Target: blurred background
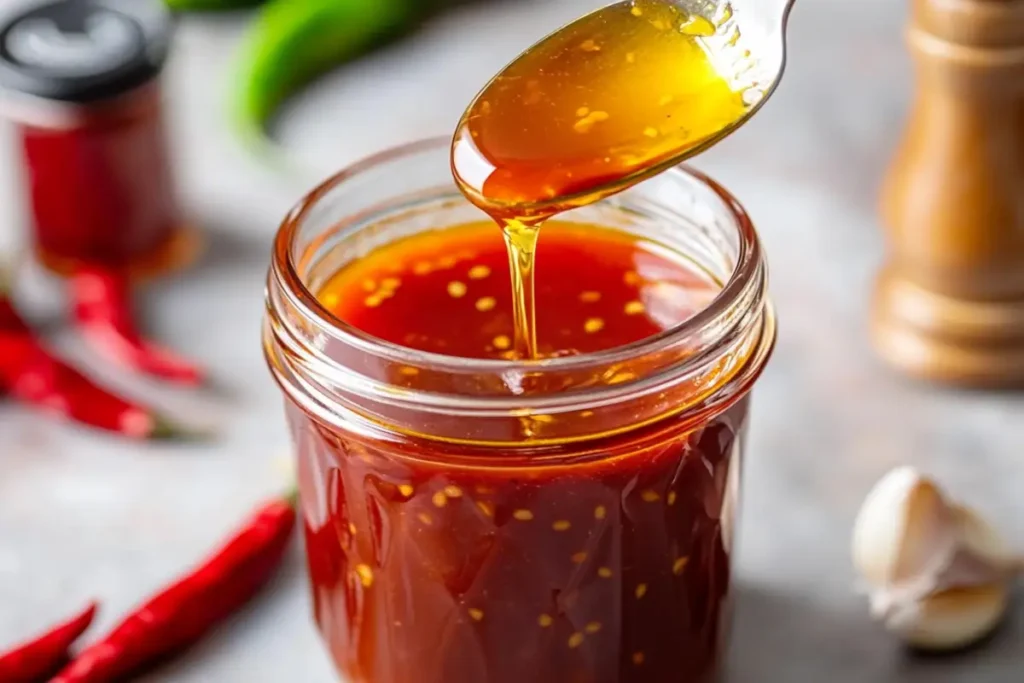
83	515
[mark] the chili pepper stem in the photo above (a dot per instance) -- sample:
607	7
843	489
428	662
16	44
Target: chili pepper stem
165	429
291	496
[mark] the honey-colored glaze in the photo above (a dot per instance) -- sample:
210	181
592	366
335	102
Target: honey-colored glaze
592	107
949	303
431	568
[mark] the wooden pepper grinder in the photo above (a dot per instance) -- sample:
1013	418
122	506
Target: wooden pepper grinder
949	303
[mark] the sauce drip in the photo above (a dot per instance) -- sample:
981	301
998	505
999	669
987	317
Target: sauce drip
590	110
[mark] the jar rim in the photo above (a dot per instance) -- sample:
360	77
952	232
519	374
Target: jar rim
747	274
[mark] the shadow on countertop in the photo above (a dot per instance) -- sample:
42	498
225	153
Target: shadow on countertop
788	638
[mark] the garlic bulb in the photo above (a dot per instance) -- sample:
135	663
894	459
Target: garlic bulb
938	573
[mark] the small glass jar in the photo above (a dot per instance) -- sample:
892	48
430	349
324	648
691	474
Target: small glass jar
442	547
80	79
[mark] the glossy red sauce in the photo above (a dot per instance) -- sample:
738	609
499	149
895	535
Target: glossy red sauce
609	566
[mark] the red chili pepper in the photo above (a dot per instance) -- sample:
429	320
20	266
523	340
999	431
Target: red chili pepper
31	374
103	311
180	615
38	659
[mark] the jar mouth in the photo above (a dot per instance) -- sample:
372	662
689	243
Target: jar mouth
744	276
342	373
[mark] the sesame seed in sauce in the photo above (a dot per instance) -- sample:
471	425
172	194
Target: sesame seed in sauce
456	289
439	499
679	565
479	272
369	286
651	132
620	377
634	308
671	498
582	111
641	590
390	283
476	614
406	489
452	491
593	627
575	640
604	573
365	575
586	413
650	496
523	515
501	342
600	511
486	303
590	45
447	261
636	12
425	518
631	277
593	325
561	525
579	558
545	620
485	508
590	297
373	301
584	124
422	268
352	528
409	372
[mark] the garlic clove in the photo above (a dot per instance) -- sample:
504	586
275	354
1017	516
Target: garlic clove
903	529
982	540
938	572
953	619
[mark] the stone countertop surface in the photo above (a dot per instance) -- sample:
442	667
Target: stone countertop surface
83	515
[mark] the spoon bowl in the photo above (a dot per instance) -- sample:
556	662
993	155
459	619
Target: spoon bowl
615	97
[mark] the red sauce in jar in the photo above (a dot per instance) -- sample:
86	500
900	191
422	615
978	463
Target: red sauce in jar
601	561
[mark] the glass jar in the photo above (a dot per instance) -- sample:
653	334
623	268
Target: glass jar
80	80
441	546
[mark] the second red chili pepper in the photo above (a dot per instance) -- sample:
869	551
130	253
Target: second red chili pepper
183	613
103	311
31	374
41	657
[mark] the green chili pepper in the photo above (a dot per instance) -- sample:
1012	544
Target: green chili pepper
209	5
294	41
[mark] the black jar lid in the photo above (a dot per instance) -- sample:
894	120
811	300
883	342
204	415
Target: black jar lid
80	51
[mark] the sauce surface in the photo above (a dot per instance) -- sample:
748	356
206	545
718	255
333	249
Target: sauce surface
448	291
